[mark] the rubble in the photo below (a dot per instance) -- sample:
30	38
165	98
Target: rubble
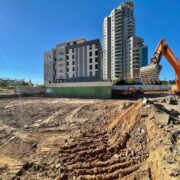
162	119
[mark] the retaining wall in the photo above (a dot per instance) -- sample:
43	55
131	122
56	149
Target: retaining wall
100	90
29	90
144	87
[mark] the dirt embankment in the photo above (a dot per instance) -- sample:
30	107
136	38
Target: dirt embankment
87	139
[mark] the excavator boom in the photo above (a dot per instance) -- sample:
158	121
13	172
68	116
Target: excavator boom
150	74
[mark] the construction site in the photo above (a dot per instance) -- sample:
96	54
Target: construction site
99	138
44	138
82	123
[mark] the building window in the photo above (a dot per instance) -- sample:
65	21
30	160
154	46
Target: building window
74	43
96	59
67	57
60	59
96	46
96	53
90	53
73	56
67	69
67	63
73	50
73	68
90	74
73	62
96	73
96	66
90	67
90	47
67	52
90	60
61	53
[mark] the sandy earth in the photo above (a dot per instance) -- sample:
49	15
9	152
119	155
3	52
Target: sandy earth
42	138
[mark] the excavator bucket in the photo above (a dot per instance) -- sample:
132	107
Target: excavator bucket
150	74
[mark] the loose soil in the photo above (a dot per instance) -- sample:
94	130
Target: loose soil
43	138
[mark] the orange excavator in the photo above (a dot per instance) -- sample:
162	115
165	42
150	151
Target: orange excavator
150	74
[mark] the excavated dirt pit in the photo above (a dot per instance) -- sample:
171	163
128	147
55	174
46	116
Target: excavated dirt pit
43	138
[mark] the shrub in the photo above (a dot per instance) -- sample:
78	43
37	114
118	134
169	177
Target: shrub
3	84
130	81
119	81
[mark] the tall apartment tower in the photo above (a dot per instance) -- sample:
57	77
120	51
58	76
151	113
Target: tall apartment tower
118	27
107	48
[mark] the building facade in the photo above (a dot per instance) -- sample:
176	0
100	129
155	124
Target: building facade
73	61
136	57
118	27
107	48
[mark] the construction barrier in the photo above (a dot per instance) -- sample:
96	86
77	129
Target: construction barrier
101	90
29	90
144	87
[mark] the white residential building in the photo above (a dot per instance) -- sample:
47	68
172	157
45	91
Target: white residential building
73	61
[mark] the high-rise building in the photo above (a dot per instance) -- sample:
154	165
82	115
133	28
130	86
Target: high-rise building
107	48
136	57
118	27
73	61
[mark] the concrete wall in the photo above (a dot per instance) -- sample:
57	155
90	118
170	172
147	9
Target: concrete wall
29	90
144	87
100	90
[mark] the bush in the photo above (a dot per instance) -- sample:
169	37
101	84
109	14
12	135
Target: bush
119	81
130	82
3	84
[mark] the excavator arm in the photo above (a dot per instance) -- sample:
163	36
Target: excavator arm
152	71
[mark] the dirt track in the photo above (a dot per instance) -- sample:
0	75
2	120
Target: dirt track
86	139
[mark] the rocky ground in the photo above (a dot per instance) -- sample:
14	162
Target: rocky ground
42	138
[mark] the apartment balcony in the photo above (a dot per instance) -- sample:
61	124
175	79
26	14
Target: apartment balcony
119	16
119	43
131	23
119	40
118	69
119	33
118	23
119	54
119	11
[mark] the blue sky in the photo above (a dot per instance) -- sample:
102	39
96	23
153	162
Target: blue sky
30	27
